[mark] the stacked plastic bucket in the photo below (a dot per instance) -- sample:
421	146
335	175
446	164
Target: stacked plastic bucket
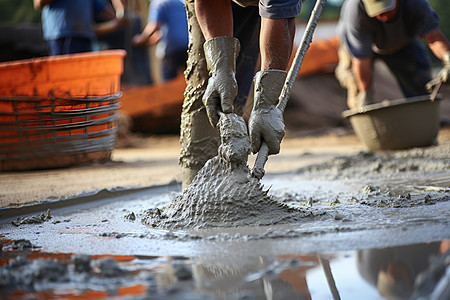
59	111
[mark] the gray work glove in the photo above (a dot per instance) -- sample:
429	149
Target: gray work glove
444	72
221	54
365	98
266	120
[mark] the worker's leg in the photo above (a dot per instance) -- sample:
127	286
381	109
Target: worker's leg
412	68
246	24
199	140
345	76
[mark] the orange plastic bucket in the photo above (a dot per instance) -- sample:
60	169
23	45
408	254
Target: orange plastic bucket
58	111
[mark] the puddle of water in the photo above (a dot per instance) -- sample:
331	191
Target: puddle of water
377	273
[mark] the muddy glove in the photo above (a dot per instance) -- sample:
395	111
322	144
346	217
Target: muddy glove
266	120
444	72
365	98
221	54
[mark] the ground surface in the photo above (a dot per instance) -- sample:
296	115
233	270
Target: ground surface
154	162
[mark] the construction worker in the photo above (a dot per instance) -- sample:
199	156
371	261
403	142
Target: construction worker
225	38
388	30
167	27
68	26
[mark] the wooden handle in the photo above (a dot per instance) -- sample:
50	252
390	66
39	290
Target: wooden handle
261	159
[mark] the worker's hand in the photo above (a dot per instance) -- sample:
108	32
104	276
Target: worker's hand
221	54
139	39
266	124
444	73
365	98
219	95
266	120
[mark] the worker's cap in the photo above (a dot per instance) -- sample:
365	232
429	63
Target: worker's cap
376	7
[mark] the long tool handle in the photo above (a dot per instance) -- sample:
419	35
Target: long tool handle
263	154
329	276
434	85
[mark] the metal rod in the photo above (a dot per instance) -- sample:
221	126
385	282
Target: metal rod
331	283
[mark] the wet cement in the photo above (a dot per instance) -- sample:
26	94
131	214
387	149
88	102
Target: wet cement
224	193
348	213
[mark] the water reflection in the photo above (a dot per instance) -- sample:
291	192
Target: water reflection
406	271
419	271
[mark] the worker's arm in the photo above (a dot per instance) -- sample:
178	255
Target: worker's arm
109	21
221	51
148	34
119	8
362	71
440	46
276	42
266	119
438	43
214	17
39	4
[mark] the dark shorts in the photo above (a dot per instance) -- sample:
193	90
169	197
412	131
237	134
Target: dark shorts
274	9
279	9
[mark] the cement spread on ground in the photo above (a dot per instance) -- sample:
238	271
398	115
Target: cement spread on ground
223	194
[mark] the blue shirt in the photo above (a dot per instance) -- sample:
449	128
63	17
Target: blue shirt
171	14
70	18
363	35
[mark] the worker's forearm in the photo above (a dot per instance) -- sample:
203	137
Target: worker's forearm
362	69
148	34
106	27
438	43
276	42
119	8
39	4
214	17
150	29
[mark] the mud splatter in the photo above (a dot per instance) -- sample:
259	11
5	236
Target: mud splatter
33	219
224	194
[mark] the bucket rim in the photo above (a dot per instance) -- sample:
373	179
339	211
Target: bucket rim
64	57
388	103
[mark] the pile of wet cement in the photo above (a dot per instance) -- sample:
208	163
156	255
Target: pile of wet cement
214	199
224	194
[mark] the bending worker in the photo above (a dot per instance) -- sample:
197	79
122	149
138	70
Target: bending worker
224	41
388	30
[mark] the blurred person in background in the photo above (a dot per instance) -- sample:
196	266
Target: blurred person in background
167	26
388	30
69	26
118	33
